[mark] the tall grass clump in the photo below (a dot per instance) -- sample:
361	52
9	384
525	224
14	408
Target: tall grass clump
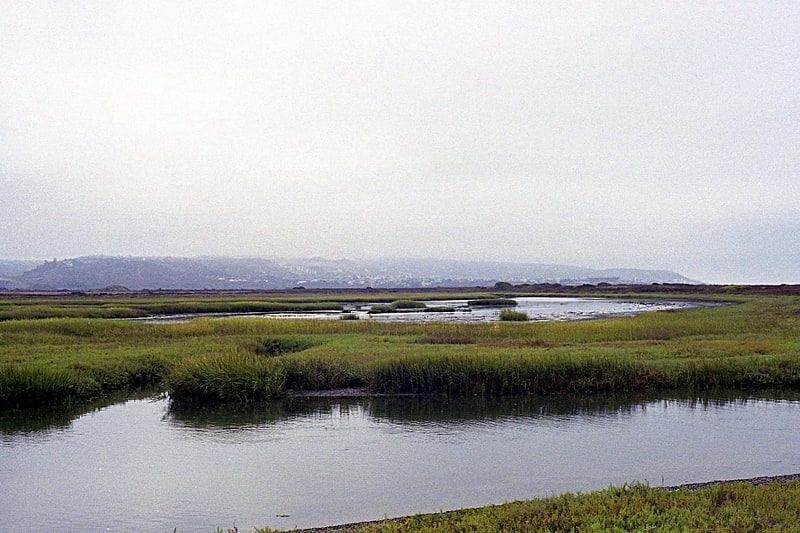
317	373
230	377
242	377
509	374
40	385
508	315
130	373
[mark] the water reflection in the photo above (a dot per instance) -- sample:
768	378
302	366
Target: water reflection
326	461
424	410
45	420
411	411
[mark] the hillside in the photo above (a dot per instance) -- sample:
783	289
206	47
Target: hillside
227	273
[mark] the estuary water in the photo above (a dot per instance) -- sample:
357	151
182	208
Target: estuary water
538	308
142	465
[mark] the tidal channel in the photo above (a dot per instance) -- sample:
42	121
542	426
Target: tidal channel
141	465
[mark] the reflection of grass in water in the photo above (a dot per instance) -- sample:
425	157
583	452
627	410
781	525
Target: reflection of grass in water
46	419
452	411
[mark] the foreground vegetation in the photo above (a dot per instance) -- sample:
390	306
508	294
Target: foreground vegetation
754	344
733	507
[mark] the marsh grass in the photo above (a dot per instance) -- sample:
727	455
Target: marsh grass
397	306
32	386
492	302
508	315
141	307
232	377
752	344
276	346
408	304
730	507
241	377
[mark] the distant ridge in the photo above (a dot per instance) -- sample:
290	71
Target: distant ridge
230	273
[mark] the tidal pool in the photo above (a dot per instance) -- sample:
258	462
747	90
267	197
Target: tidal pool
140	465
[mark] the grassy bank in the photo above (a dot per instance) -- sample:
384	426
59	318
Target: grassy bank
754	344
734	507
139	308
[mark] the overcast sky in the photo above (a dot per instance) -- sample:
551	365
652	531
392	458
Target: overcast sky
599	134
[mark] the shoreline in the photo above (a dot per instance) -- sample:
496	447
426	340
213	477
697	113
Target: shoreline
760	480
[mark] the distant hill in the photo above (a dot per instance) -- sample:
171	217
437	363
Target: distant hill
10	270
229	273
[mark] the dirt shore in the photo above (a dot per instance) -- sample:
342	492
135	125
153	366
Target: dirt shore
764	480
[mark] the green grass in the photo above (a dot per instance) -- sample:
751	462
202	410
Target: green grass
734	507
507	315
141	306
753	344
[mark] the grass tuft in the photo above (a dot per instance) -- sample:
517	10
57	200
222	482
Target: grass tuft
507	315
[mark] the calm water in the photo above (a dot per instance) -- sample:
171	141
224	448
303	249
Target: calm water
538	308
140	466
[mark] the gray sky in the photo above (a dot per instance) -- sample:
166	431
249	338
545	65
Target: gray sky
599	134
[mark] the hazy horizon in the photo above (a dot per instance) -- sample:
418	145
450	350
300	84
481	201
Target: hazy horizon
651	135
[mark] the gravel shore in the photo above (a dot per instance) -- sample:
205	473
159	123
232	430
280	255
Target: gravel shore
764	480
